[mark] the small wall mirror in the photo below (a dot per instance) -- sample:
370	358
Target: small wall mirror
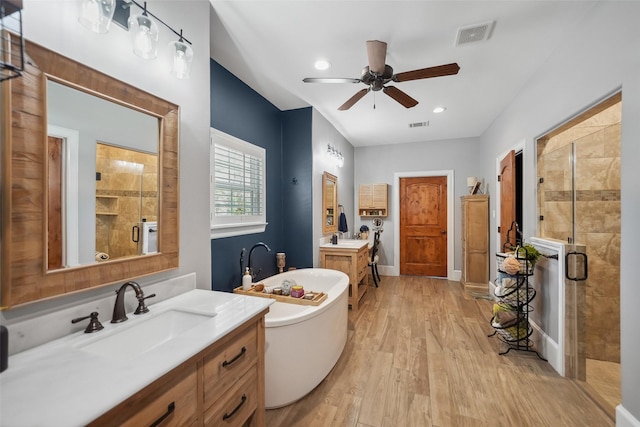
329	203
53	245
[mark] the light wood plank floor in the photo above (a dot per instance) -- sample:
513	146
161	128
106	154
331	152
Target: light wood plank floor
604	378
417	354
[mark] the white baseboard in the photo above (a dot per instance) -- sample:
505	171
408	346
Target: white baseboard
624	418
386	270
548	348
456	276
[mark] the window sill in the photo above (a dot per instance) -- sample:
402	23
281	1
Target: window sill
230	230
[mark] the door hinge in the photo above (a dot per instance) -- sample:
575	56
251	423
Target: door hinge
499	178
541	217
499	230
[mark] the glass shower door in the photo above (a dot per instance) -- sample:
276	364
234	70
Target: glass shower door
579	200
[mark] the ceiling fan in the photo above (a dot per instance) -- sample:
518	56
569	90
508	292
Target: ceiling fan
377	74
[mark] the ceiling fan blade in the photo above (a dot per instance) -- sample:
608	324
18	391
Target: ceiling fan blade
426	73
377	54
330	80
355	98
400	96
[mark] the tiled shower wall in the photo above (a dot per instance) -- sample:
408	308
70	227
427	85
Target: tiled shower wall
597	184
126	192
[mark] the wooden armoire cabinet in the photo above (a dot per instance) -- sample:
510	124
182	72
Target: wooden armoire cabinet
475	243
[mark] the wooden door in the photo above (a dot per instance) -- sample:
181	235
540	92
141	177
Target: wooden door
423	226
507	179
54	198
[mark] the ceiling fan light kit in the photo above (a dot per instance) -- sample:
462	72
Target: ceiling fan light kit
378	74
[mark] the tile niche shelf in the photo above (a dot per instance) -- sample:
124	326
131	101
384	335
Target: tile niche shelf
372	199
106	205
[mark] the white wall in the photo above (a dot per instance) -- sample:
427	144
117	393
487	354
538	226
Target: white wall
53	24
378	164
588	65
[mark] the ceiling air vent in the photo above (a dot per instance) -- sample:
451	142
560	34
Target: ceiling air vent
475	33
418	124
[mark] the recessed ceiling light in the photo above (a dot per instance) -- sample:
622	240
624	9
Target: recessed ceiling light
439	110
322	65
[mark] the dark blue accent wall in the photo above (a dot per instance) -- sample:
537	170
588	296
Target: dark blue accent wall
238	110
297	166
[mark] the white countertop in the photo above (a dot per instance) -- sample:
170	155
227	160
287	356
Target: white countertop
346	244
59	384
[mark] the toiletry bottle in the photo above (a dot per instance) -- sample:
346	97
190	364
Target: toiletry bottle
246	280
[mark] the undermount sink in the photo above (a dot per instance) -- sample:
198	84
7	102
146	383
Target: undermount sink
146	334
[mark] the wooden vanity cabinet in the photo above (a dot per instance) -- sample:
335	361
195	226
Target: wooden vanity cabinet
174	396
354	263
223	385
230	373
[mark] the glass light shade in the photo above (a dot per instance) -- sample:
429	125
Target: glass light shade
182	59
96	15
144	35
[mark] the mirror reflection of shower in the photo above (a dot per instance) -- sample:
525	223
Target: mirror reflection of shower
126	197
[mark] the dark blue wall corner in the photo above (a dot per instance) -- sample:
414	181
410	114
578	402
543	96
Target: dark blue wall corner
238	110
297	166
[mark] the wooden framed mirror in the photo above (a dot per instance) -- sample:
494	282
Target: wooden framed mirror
28	203
329	203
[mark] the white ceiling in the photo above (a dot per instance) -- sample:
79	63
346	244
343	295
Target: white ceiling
272	46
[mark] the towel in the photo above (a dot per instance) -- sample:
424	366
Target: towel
342	223
101	256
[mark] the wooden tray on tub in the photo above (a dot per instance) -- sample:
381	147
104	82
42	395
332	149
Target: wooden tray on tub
318	298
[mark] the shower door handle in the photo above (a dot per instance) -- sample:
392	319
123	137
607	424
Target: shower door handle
135	234
566	266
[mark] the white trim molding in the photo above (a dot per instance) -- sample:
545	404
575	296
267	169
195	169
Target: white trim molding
624	418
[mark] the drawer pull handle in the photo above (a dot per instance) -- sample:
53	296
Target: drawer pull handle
242	400
170	409
238	356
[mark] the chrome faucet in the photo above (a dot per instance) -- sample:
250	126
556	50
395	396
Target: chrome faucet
119	314
264	245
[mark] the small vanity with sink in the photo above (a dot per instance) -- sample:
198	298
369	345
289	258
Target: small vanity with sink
352	258
194	359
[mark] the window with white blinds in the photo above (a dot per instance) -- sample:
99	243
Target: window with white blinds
238	189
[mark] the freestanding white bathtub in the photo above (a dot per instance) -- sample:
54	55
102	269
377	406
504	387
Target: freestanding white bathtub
304	342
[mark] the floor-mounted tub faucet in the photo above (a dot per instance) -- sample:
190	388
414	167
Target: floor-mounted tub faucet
251	271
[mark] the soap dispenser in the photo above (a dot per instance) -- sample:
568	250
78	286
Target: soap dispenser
246	280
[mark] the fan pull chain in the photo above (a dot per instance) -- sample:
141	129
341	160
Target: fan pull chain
374	100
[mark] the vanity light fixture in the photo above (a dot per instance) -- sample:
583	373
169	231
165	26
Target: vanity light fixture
144	34
96	15
11	40
144	31
182	58
336	155
439	110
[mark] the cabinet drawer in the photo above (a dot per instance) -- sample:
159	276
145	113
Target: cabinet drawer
224	368
174	397
237	404
363	261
